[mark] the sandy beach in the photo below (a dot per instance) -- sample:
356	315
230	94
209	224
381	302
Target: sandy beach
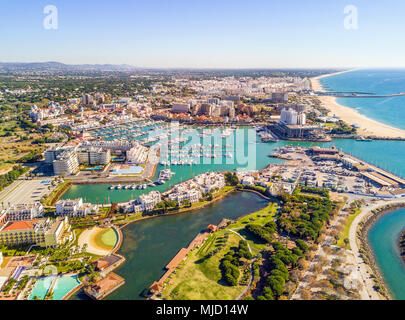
368	127
88	236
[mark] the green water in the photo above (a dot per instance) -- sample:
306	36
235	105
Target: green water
150	245
388	155
41	287
64	285
383	238
109	238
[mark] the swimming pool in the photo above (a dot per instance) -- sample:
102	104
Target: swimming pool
130	170
63	285
95	168
41	287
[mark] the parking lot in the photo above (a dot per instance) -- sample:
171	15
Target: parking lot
26	191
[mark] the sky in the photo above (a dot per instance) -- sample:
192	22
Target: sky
206	33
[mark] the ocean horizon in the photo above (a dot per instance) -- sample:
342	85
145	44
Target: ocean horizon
389	111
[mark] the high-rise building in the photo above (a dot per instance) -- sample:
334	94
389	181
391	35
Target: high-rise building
66	163
206	109
181	108
93	155
87	99
301	119
289	116
279	97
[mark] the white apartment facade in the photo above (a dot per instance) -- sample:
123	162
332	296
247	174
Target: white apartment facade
75	208
20	212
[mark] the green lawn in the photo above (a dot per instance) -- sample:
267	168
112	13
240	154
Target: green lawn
345	231
199	277
261	217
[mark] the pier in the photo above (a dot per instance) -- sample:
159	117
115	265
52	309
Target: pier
353	94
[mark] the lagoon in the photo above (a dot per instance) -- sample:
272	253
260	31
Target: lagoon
149	245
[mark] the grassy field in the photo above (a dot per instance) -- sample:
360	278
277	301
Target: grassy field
261	217
199	277
345	232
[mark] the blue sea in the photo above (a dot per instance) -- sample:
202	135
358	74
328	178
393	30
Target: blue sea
390	111
383	236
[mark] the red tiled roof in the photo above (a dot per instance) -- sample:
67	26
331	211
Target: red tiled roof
20	225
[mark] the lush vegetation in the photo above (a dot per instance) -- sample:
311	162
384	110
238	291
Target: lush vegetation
343	128
259	189
281	260
264	233
316	191
9	285
231	179
11	176
304	216
232	261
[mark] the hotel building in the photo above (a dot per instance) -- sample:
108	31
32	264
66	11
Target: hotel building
24	212
93	155
41	232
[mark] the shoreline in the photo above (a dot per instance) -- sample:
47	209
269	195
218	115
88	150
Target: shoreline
368	127
361	247
181	211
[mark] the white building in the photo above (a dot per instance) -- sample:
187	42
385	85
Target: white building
137	154
20	212
66	163
209	181
289	117
301	119
248	181
75	208
349	162
186	192
93	155
150	200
